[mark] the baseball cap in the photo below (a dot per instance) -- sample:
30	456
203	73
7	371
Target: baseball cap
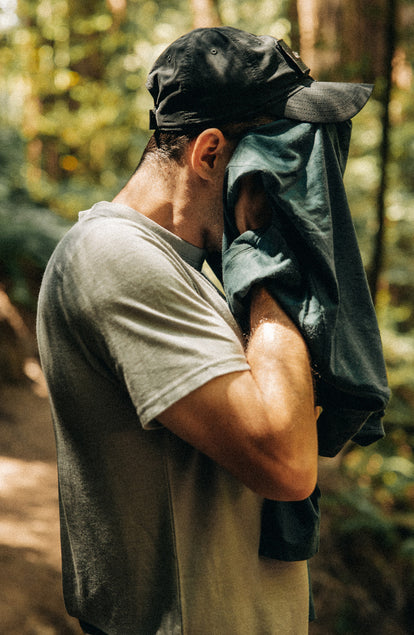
219	75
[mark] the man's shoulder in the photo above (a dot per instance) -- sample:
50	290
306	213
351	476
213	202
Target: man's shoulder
108	234
126	249
111	222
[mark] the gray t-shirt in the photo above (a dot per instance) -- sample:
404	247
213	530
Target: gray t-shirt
157	539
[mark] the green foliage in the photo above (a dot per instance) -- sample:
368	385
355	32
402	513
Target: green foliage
385	474
395	300
28	233
377	516
74	83
266	17
369	546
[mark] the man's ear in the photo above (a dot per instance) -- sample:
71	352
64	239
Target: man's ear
208	153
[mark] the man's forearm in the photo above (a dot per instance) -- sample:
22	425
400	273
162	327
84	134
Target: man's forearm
280	366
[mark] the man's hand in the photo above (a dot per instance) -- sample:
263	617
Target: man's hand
252	209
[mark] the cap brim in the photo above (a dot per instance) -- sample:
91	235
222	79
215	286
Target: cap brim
327	102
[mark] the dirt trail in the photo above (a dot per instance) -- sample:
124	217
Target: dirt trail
31	600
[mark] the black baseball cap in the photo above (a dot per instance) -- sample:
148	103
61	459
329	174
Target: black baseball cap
218	75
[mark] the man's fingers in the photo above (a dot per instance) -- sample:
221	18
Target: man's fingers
252	209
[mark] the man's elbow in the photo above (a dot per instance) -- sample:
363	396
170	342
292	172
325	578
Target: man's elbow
294	483
291	470
299	487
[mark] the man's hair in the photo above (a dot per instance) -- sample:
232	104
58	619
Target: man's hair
166	147
170	147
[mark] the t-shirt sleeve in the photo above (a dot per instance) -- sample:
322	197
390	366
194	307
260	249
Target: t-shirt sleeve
163	334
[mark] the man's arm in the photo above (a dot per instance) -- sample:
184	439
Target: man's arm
260	424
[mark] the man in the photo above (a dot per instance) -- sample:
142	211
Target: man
170	430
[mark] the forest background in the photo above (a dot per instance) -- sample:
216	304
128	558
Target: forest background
73	123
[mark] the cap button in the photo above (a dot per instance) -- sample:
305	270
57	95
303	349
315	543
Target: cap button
213	51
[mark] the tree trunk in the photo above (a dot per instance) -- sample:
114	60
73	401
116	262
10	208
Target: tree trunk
334	36
308	21
379	247
14	342
205	13
355	40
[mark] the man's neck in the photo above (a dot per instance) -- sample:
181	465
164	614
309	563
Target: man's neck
166	200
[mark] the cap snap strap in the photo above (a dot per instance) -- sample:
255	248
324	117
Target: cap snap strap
293	58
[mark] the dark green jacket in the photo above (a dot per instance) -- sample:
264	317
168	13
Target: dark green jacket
309	260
